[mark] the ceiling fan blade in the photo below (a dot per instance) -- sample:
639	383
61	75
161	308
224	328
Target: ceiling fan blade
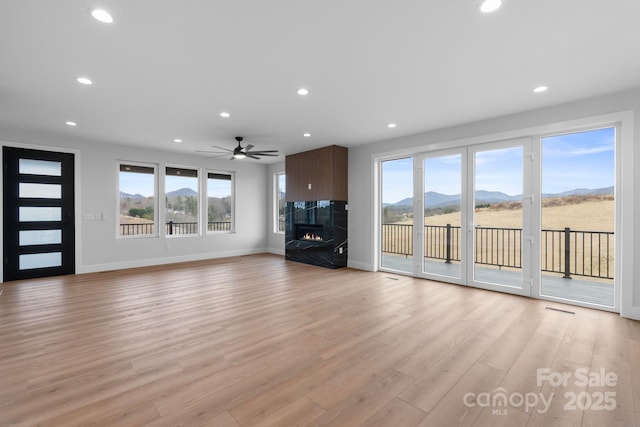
217	156
212	152
222	148
251	156
262	153
248	147
265	151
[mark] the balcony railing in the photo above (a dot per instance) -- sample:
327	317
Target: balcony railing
172	228
568	252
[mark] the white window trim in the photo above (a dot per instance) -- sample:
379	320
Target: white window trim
156	209
276	213
163	216
232	203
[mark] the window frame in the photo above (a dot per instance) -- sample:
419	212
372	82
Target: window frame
198	201
156	201
232	202
276	202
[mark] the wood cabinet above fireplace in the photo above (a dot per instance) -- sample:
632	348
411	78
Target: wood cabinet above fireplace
317	175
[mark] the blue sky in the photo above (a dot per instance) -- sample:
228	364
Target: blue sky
576	160
397	180
139	183
136	183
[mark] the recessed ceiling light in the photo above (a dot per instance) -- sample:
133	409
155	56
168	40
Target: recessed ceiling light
307	135
177	140
71	123
84	80
489	6
303	91
102	16
541	89
391	125
225	114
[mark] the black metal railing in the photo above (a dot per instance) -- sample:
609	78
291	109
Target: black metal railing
579	253
568	252
397	239
442	242
137	229
219	226
500	247
172	228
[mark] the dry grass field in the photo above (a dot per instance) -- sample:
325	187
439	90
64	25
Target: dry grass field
592	214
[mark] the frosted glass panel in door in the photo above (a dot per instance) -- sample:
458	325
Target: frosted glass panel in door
42	260
40	237
28	190
33	213
39	167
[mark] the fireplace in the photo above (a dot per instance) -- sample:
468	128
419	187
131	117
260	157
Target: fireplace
316	232
311	232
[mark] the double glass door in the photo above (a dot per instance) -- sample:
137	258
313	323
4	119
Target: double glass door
471	216
509	216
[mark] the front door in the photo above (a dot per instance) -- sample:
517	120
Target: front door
38	213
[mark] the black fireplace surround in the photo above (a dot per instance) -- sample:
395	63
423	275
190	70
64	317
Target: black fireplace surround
316	233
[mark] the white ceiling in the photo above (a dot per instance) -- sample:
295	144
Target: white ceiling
166	69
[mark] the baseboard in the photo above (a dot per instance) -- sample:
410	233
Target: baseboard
276	251
96	268
360	265
632	312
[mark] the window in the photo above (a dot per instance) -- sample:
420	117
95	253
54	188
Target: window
137	200
219	202
280	189
181	201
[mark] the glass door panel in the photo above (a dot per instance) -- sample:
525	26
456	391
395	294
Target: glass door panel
396	233
442	243
577	217
497	224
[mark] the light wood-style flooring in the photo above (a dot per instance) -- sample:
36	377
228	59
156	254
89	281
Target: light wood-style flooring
258	341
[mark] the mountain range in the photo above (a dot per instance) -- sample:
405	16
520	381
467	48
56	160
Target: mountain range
434	200
183	192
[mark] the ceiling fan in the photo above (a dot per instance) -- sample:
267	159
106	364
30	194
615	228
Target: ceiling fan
240	153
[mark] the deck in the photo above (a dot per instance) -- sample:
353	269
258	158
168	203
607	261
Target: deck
597	292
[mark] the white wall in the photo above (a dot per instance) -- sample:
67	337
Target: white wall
97	247
275	241
362	227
